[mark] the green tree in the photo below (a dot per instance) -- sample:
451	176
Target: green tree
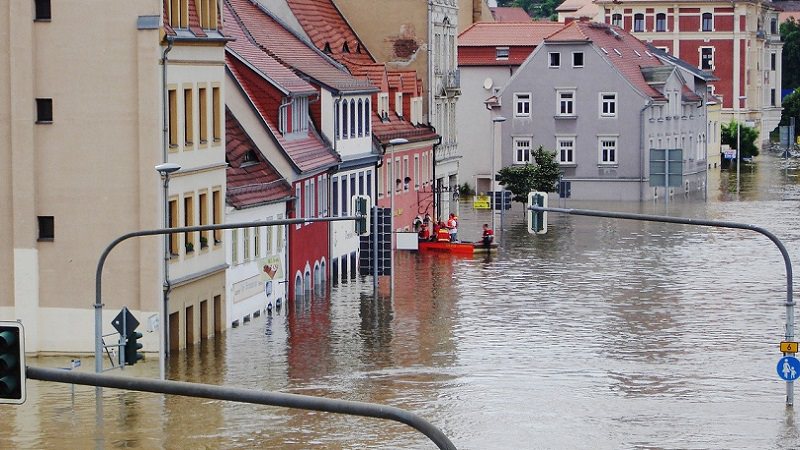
522	179
748	139
790	68
540	9
791	108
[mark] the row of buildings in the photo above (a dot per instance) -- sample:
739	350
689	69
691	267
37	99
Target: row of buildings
286	109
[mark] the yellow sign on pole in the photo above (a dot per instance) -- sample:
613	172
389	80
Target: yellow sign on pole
481	202
788	347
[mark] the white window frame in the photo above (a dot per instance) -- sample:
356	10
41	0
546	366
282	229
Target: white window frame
502	53
526	149
583	57
700	51
643	23
605	153
559	149
571	102
520	100
550	60
612	102
615	22
702	28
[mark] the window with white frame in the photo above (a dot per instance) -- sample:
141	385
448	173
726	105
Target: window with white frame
566	149
566	102
577	59
707	58
607	151
522	150
416	172
708	22
661	22
616	19
522	105
405	172
383	104
608	104
298	201
501	53
638	22
398	103
554	59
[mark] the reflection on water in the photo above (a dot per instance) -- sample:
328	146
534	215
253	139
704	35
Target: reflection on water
600	334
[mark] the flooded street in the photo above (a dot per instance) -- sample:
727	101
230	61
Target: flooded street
601	334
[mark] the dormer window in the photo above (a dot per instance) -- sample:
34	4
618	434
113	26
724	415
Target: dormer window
327	48
383	105
398	103
501	53
249	158
345	48
179	13
208	14
358	47
294	116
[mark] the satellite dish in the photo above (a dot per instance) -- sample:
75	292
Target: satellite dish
487	83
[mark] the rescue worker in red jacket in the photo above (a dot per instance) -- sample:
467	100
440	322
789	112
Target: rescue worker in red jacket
443	234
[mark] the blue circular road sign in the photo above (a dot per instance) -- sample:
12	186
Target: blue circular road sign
789	368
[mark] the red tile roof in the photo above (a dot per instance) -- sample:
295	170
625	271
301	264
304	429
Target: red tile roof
307	152
481	34
249	183
626	53
246	49
193	24
291	50
510	14
325	26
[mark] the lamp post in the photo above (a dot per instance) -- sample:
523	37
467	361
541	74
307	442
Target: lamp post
392	143
738	139
165	170
492	182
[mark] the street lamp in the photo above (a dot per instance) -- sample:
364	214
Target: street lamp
165	170
492	184
738	139
392	144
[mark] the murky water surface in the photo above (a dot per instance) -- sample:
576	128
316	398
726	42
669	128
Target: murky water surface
600	334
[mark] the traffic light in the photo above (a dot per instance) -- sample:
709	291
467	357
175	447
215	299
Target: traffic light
12	363
537	220
361	205
132	347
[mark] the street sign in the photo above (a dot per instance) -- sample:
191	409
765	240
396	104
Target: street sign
789	368
481	202
130	322
788	347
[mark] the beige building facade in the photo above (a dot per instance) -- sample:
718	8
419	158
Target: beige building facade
81	129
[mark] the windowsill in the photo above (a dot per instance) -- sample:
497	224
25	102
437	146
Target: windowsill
522	115
42	20
553	67
565	117
46	239
44	122
568	164
608	116
607	165
216	139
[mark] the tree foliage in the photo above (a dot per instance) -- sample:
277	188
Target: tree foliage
790	70
791	108
748	140
522	179
540	9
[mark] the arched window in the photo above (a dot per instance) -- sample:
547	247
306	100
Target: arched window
307	282
708	22
360	118
661	22
638	22
336	120
345	129
616	20
298	286
353	118
367	117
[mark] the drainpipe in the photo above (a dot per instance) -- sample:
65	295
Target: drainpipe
433	181
641	146
167	288
282	126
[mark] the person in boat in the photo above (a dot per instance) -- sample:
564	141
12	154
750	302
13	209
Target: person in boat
424	233
452	226
488	235
443	234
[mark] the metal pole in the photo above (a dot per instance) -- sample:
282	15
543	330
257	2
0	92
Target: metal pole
708	223
491	178
247	396
162	311
375	247
391	222
738	144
